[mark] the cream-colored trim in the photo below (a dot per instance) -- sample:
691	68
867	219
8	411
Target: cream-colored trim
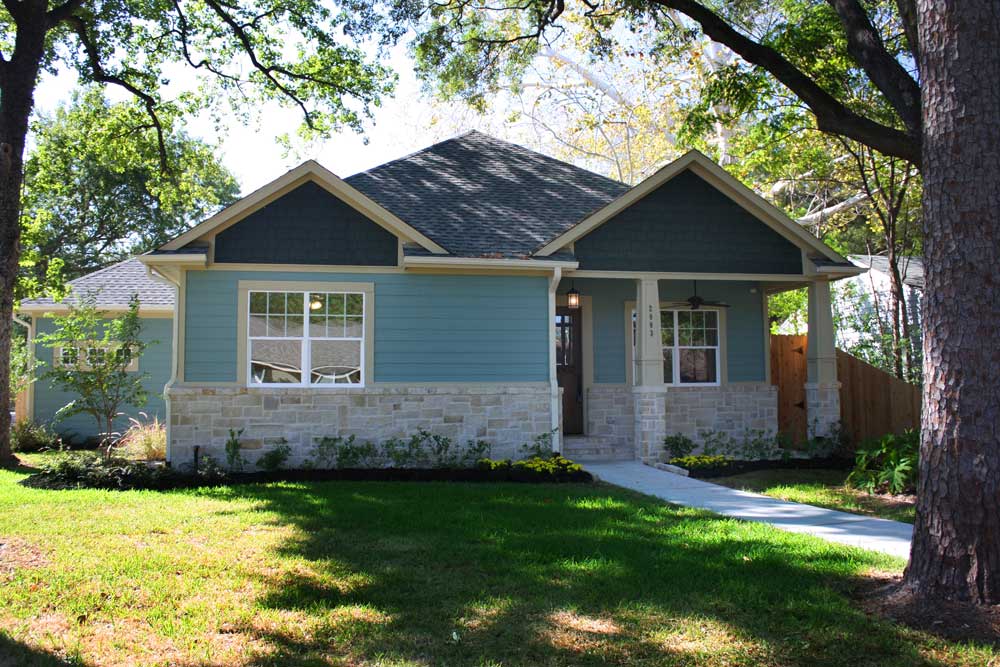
714	175
108	311
555	403
640	275
244	287
765	317
488	263
587	343
178	259
29	391
723	346
303	268
305	172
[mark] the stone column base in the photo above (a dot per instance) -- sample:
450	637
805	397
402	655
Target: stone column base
823	408
650	421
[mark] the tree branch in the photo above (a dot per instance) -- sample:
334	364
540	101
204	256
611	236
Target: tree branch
865	45
58	14
102	76
908	15
831	115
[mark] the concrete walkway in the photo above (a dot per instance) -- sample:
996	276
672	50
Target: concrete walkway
891	537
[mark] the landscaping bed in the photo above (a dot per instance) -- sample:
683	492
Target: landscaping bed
703	468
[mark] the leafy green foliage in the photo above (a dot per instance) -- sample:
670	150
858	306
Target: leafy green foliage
678	445
275	458
95	354
95	192
540	446
234	450
701	462
28	436
23	365
90	470
422	449
552	468
888	464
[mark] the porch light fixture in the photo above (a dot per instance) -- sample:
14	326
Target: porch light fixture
573	298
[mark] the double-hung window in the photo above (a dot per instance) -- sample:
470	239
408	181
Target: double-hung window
306	338
690	346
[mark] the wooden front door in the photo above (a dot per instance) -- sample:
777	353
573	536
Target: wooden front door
569	368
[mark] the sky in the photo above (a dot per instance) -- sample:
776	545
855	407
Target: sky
403	124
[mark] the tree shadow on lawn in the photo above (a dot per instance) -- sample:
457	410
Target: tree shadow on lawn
459	574
15	654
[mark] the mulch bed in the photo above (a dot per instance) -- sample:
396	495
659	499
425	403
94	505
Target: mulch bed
885	596
739	467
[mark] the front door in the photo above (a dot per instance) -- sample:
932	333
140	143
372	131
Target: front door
569	368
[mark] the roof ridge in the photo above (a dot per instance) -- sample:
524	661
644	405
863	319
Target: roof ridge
412	154
101	270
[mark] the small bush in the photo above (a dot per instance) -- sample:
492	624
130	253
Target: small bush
351	454
143	441
275	459
552	468
540	446
888	464
702	462
27	436
678	445
234	450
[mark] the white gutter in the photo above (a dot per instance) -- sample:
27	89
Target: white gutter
159	277
556	426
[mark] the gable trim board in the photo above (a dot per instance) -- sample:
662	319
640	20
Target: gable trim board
309	171
716	176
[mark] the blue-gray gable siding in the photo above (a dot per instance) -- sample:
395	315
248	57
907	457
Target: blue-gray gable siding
307	226
155	361
428	328
687	225
745	355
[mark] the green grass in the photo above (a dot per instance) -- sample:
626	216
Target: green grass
823	488
427	574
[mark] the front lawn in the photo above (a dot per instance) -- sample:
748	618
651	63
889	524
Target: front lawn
338	573
823	488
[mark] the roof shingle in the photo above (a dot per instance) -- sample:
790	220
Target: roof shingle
113	286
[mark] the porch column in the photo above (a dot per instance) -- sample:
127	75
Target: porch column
649	392
822	387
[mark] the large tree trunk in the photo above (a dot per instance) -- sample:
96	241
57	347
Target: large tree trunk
17	88
956	537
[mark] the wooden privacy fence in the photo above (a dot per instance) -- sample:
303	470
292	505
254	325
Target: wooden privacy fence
872	402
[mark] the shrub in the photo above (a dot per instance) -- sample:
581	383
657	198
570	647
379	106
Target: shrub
702	462
234	450
678	445
274	459
552	468
93	471
540	446
351	454
27	436
888	464
145	441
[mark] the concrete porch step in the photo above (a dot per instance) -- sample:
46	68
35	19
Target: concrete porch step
583	448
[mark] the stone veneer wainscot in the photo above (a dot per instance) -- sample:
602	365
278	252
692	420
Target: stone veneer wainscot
507	416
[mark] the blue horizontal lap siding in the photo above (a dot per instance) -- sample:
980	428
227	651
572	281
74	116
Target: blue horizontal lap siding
745	357
686	225
155	361
428	328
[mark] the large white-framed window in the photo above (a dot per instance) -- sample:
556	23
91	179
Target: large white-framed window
692	346
306	338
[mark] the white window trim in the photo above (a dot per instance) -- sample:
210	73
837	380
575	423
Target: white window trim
720	358
367	290
83	348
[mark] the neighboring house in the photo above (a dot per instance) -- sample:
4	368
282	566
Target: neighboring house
111	289
436	291
871	293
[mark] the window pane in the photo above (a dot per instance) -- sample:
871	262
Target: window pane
294	303
668	365
711	337
667	327
275	325
293	325
684	337
68	356
275	361
684	319
354	327
336	362
698	365
258	302
95	356
317	326
711	319
258	325
698	337
317	303
335	304
355	304
276	302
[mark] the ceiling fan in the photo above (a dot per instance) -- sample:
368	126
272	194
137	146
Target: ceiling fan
694	302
